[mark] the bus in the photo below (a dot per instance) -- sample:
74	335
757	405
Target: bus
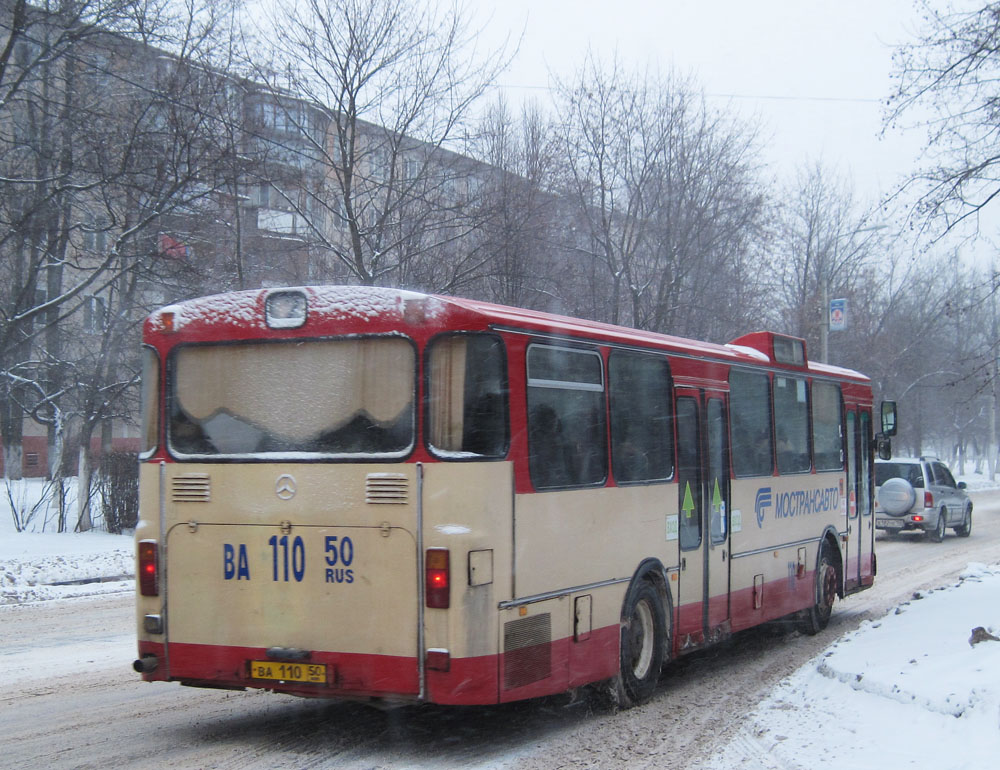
378	494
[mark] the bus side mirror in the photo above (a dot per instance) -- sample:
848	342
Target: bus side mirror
888	418
883	447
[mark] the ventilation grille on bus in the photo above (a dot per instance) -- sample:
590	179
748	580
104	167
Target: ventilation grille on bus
192	488
527	646
386	489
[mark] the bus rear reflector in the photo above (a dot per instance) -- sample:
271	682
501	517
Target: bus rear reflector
438	660
148	568
437	578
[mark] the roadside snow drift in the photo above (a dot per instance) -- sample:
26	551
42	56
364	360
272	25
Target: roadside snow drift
907	690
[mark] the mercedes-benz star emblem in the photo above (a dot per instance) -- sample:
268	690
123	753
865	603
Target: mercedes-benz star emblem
284	487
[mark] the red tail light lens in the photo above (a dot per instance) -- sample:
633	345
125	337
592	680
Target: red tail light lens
148	568
437	578
928	499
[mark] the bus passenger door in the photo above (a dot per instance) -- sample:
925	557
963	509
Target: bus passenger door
717	513
703	529
860	523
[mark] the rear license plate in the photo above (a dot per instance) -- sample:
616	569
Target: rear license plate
889	523
314	673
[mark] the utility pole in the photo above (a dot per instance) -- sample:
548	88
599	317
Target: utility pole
991	453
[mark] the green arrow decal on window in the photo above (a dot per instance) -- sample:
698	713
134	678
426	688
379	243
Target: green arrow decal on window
688	505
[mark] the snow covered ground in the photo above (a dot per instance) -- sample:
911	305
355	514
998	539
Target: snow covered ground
906	690
40	563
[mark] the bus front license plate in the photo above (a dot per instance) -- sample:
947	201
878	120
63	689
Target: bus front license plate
313	673
889	523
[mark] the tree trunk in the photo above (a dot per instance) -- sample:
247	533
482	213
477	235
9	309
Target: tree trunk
84	478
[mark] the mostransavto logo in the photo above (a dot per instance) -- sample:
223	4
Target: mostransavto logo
761	504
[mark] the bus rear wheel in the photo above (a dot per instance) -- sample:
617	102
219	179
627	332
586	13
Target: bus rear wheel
643	634
817	617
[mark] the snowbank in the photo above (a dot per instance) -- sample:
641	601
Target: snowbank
39	563
907	690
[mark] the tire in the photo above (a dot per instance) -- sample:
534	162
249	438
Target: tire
817	617
896	496
965	528
936	535
643	642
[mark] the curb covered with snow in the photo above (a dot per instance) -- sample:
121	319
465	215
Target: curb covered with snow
35	567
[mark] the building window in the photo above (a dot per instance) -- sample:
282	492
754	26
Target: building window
95	313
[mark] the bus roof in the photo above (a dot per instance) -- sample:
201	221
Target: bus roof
331	310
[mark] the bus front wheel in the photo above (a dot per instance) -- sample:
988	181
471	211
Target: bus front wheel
643	632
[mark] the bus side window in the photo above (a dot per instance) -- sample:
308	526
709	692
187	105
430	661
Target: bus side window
641	428
828	431
467	397
750	413
567	444
791	424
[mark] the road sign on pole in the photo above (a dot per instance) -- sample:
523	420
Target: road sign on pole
838	315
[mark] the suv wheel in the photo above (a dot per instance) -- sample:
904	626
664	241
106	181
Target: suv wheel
965	529
937	534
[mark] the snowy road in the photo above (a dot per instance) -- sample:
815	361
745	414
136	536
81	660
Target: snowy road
68	697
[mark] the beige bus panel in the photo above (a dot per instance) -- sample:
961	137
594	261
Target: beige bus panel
467	509
770	548
207	506
148	528
374	612
598	534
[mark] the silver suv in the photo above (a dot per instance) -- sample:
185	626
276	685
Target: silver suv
920	494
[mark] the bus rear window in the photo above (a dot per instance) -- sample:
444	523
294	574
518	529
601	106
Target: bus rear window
467	401
150	408
350	398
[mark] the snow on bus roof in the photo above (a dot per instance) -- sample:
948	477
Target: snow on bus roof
244	308
367	303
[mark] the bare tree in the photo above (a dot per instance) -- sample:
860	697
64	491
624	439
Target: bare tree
111	146
946	84
518	208
827	248
394	83
665	196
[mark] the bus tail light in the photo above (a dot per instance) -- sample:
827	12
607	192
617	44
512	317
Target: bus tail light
437	578
148	568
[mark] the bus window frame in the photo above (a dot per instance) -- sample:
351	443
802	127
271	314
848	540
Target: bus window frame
806	386
545	384
425	438
671	417
153	407
169	372
812	424
731	416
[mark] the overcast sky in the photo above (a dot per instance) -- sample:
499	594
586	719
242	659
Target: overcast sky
815	73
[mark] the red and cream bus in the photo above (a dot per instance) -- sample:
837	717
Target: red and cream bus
371	493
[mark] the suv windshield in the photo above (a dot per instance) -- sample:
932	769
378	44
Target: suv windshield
909	471
346	398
